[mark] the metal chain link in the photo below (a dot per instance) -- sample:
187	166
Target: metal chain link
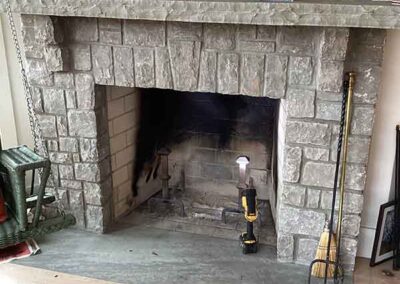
38	141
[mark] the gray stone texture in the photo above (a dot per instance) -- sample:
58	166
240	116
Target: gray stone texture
144	67
330	76
306	251
217	36
208	71
293	195
316	154
358	13
312	133
291	171
334	43
81	57
291	221
110	31
103	69
301	70
275	76
82	123
163	69
285	247
328	110
318	174
228	73
312	198
185	62
85	95
54	102
123	67
144	33
252	74
300	102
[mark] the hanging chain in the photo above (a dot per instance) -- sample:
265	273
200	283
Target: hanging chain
38	142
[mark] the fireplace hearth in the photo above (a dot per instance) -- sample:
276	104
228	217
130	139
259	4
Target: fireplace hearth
94	81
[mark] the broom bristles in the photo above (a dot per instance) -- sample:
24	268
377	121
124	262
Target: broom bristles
318	269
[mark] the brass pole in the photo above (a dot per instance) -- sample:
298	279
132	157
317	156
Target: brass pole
352	80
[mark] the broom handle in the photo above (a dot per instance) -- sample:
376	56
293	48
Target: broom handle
338	154
352	79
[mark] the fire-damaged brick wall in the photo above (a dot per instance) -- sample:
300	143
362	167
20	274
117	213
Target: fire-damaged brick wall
301	66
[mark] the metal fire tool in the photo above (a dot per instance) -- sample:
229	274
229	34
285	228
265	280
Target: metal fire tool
165	177
348	88
242	161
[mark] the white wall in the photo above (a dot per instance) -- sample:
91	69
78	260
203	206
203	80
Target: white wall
382	151
14	123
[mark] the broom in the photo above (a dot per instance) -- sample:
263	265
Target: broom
319	268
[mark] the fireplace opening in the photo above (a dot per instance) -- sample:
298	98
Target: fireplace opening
204	134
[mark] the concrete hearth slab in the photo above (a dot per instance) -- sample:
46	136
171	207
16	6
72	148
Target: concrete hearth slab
137	254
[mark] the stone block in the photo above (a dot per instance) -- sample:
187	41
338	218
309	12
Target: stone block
312	133
32	48
291	172
163	69
103	69
301	71
85	90
363	120
70	99
285	247
54	58
185	63
356	176
64	80
316	154
219	36
123	67
88	150
93	193
293	194
44	30
184	31
54	101
330	76
266	32
358	150
47	125
110	31
81	57
144	67
275	76
367	84
328	110
82	29
87	172
66	172
348	253
246	32
82	123
60	158
334	43
208	71
62	126
256	46
297	40
318	174
252	74
228	73
144	33
37	101
306	251
38	74
329	96
68	144
77	207
300	102
96	217
351	225
291	220
52	145
313	196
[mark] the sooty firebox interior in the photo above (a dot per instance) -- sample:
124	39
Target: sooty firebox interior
201	135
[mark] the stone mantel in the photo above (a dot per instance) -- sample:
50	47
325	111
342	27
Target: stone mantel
352	13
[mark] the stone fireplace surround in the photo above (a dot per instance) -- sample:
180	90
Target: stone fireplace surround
71	61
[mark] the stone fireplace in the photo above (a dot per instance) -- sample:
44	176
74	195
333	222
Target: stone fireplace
89	77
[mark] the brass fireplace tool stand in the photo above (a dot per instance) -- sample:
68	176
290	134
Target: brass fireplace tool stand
165	190
243	161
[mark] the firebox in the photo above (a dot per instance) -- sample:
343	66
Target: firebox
204	134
